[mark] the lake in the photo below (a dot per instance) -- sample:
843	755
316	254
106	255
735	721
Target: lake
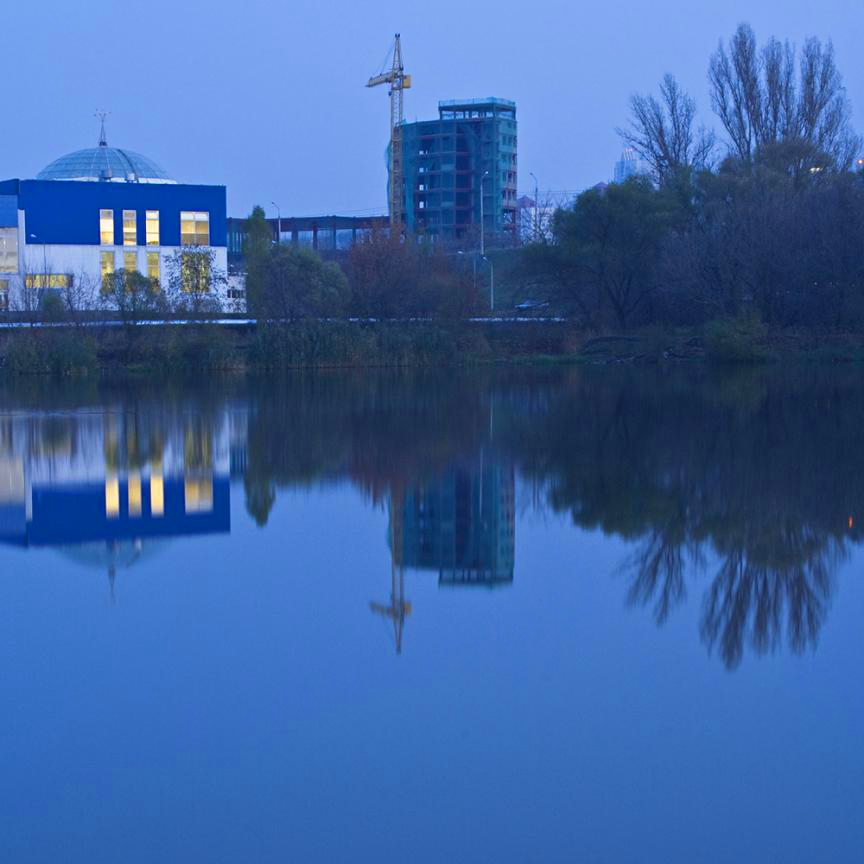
503	615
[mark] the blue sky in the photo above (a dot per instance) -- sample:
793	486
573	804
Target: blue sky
269	97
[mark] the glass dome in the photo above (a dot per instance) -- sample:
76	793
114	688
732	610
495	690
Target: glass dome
105	163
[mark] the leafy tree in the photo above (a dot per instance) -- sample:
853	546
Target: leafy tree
610	243
133	296
296	284
195	282
256	252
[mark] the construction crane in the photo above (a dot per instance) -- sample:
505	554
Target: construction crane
397	79
398	608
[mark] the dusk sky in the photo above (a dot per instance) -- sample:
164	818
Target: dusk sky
269	98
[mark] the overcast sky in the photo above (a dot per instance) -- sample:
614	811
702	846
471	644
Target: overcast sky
269	98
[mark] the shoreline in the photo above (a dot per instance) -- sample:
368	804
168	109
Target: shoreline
151	347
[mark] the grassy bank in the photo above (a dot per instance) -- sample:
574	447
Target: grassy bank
209	347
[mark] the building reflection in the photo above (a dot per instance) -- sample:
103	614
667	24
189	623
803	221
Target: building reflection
460	524
113	480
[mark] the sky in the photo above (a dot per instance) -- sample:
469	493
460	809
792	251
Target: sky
268	98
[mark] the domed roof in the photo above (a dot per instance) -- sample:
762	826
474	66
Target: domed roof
106	164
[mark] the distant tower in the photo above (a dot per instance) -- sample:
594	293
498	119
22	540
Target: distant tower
627	166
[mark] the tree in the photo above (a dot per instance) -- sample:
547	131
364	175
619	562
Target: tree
611	241
256	251
296	283
133	296
761	98
195	282
663	133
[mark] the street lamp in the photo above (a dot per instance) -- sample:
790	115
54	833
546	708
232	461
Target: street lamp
491	283
279	223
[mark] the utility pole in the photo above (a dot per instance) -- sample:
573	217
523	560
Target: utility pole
278	223
536	208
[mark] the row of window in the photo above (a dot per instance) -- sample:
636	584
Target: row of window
194	228
195	269
130	265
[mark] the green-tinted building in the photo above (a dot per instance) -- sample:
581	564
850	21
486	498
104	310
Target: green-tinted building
445	161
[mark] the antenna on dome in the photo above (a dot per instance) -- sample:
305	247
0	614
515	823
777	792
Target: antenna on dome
100	116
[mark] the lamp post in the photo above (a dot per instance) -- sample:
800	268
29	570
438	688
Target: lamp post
278	223
491	284
482	217
536	207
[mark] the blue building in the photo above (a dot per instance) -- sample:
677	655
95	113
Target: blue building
94	212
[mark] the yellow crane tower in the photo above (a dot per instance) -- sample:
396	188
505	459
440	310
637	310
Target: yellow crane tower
397	79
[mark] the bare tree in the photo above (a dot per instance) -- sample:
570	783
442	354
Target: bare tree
662	131
762	99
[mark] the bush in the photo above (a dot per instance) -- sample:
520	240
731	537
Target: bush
736	340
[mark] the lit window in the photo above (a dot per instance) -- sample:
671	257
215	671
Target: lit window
134	488
40	281
106	227
195	272
130	261
152	227
194	228
153	266
107	265
130	231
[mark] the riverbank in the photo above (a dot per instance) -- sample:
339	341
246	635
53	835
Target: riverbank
212	347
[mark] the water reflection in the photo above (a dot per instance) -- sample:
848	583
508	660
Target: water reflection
107	484
740	487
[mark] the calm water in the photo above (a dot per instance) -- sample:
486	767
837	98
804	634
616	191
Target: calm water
610	615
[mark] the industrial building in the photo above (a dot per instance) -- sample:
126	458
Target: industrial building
321	233
461	170
95	211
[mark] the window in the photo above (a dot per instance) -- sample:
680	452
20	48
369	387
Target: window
107	265
195	273
106	227
8	250
130	230
194	228
153	266
4	295
152	227
40	281
130	261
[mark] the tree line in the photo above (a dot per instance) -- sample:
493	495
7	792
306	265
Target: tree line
764	221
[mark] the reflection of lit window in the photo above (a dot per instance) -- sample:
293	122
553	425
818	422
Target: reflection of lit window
107	264
157	490
153	266
112	496
134	493
130	262
198	492
106	227
130	230
194	228
152	227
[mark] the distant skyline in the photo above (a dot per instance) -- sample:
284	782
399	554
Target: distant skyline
270	100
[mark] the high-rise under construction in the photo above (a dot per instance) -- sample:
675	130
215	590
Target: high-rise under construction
458	167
